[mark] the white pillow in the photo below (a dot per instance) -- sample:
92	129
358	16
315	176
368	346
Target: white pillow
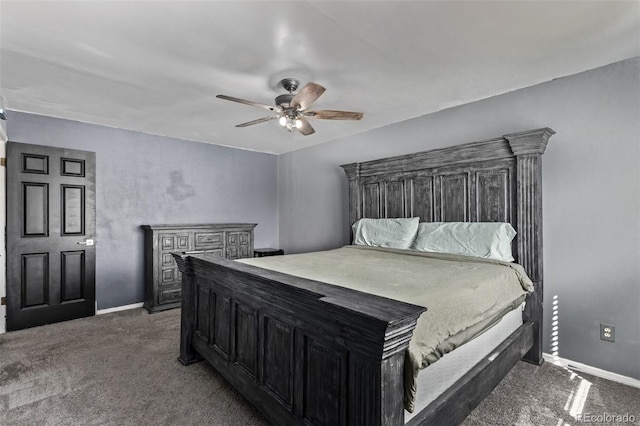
392	233
424	229
491	240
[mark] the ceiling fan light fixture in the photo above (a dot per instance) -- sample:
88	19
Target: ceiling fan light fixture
291	123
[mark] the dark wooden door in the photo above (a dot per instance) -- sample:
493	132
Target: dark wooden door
50	235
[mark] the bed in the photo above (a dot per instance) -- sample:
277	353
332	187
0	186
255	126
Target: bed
307	352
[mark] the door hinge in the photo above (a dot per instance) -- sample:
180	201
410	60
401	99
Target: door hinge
3	162
3	300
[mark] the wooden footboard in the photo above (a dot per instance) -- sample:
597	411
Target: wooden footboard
301	351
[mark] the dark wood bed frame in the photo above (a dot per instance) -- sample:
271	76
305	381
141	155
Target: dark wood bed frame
305	352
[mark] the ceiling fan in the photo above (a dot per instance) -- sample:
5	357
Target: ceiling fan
291	108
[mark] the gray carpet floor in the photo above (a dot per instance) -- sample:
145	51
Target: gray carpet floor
121	369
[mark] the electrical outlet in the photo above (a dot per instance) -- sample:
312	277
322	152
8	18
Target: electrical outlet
607	333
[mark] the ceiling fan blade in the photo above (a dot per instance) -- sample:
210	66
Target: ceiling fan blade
306	128
327	114
255	104
258	121
307	95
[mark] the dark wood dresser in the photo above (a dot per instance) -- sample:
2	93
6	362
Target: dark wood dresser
163	281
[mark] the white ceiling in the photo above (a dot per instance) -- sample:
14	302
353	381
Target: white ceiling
156	67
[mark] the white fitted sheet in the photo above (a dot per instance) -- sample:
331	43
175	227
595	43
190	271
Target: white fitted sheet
438	377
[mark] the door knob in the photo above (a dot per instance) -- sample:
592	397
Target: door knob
87	242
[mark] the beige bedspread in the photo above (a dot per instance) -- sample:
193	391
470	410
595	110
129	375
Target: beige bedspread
463	295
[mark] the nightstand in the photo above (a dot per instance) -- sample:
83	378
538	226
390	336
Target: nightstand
264	252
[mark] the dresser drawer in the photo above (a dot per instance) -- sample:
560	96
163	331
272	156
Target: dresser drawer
173	241
170	276
169	295
208	240
238	238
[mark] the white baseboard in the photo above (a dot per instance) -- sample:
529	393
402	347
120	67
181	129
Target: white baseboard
594	371
98	312
119	308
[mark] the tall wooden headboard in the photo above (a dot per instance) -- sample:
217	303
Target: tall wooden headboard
497	180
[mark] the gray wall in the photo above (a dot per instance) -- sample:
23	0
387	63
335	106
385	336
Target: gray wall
591	197
147	179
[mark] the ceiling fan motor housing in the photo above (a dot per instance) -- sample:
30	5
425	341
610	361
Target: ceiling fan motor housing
284	100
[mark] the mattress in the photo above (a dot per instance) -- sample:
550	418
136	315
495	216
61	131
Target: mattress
464	296
438	377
